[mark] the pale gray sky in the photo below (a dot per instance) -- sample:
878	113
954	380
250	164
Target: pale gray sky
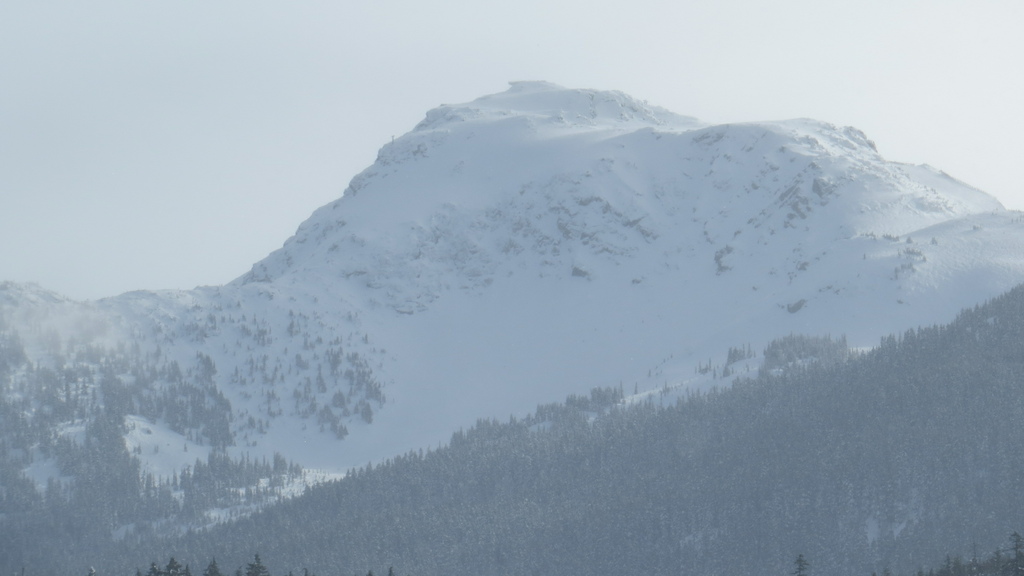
172	144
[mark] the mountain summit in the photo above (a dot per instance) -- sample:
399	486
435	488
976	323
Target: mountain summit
574	174
537	243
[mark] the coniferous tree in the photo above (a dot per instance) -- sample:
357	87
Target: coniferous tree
173	568
256	568
1017	562
212	569
802	566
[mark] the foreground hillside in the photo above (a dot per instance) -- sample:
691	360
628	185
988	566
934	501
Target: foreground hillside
891	459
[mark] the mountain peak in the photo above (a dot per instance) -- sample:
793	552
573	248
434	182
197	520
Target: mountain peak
534	86
554	105
474	185
541	241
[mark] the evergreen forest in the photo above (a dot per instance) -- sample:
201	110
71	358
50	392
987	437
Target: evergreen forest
904	459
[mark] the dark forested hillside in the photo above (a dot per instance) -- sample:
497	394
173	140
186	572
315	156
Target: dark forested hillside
69	482
891	459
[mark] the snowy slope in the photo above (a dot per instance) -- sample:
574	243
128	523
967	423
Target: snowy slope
543	241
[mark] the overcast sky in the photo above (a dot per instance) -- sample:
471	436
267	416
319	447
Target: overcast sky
150	145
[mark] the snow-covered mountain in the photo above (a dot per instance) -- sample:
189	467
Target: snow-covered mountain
537	243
